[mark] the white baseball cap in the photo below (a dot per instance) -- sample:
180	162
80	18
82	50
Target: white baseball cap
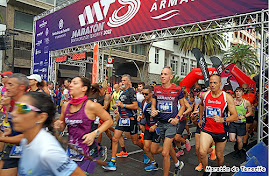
35	77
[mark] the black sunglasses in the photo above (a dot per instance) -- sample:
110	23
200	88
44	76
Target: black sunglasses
145	93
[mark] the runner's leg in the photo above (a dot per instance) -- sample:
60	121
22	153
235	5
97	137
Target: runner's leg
204	146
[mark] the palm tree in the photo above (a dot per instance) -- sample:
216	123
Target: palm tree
209	44
244	56
176	80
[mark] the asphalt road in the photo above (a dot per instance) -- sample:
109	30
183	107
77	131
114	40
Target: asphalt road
133	164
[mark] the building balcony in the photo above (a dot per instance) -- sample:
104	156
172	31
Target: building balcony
38	6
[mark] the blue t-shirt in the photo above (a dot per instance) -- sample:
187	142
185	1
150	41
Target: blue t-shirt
44	156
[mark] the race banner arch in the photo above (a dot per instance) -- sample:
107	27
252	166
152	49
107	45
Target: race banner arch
76	25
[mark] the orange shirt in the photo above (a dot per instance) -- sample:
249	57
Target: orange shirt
250	97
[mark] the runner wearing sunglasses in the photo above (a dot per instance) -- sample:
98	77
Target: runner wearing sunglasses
151	135
79	115
42	154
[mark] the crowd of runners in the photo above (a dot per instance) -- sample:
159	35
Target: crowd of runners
153	116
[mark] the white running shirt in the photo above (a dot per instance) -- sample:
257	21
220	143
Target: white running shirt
44	156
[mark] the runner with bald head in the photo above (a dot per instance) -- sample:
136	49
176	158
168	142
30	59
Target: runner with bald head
165	107
215	106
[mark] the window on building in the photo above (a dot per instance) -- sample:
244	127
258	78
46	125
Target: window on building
139	49
157	56
123	48
22	49
174	66
23	21
193	65
184	67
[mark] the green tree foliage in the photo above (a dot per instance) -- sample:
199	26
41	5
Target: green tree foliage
209	44
176	80
244	56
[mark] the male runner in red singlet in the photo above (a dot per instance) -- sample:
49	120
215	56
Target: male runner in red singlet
215	105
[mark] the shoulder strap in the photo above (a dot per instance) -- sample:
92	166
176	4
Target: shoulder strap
206	96
225	100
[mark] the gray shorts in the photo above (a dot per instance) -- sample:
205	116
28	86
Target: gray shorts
167	130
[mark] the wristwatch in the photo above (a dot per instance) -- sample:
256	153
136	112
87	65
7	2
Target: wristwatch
97	132
224	118
124	105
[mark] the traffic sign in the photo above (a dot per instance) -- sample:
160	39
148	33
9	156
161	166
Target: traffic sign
109	60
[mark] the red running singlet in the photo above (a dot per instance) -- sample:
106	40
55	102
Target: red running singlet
215	106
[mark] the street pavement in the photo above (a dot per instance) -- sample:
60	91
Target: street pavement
133	165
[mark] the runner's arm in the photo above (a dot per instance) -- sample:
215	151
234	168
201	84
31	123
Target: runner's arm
60	124
249	108
201	107
107	101
182	107
153	104
13	139
231	107
97	109
188	106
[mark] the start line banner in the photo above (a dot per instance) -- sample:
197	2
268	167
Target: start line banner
89	21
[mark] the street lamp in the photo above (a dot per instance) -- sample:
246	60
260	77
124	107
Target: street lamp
136	67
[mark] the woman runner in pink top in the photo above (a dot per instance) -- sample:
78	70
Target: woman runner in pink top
79	114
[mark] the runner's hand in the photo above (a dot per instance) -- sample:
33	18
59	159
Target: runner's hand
200	123
116	111
218	119
120	104
173	121
152	128
154	113
139	117
89	138
58	125
241	117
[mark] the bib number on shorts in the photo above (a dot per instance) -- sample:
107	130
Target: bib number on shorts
211	111
74	155
124	122
16	151
165	106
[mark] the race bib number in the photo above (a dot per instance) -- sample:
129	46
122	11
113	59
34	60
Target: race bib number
165	106
73	154
16	151
211	111
124	122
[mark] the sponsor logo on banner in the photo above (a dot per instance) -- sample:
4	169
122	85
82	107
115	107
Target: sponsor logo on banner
61	24
39	34
37	52
100	11
115	20
39	42
165	8
43	24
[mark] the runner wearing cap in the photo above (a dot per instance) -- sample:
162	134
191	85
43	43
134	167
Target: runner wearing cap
34	81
